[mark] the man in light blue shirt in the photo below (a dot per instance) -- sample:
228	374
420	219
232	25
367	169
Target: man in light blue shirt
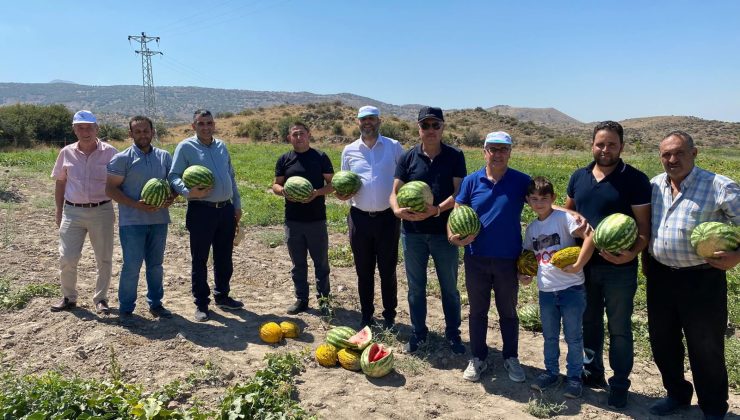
213	213
142	228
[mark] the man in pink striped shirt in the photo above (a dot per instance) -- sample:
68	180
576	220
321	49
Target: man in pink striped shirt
82	208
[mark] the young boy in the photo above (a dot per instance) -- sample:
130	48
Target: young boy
561	292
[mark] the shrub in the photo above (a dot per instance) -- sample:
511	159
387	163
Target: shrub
224	114
337	129
395	131
257	130
111	132
246	112
22	124
471	138
566	143
161	129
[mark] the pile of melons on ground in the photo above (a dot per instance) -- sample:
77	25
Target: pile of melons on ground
355	351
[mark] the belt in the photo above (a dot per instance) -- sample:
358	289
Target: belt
371	213
692	268
85	205
216	204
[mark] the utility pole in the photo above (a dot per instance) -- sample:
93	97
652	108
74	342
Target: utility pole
146	70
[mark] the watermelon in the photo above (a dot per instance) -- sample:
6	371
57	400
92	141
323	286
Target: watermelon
376	360
361	340
415	195
464	221
297	188
527	263
616	233
197	176
155	192
710	237
339	337
346	182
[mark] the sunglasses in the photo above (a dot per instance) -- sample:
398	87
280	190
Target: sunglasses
435	125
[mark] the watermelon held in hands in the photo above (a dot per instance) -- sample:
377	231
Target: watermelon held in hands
339	337
415	195
376	360
155	192
527	263
464	221
197	176
615	233
346	182
361	340
297	188
710	237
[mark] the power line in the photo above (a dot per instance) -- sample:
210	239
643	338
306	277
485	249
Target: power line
150	109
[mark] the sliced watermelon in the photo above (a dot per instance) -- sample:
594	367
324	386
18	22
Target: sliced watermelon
362	339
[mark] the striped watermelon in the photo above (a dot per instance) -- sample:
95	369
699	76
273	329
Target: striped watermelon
464	221
346	182
616	233
527	263
197	175
155	192
415	195
376	360
710	237
339	336
297	188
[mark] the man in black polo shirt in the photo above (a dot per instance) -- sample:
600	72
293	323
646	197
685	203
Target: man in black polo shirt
305	222
608	186
442	167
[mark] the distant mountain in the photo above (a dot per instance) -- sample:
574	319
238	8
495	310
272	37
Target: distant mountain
547	116
61	81
704	132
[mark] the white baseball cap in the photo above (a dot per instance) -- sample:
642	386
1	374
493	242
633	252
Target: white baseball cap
367	111
84	117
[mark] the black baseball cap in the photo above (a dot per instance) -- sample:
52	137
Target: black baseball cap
430	112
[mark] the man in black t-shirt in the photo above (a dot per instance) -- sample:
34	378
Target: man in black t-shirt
305	222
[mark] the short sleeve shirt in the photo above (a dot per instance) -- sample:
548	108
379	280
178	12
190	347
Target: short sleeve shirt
438	174
312	165
85	175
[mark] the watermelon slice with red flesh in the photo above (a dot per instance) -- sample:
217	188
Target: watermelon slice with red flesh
377	353
362	339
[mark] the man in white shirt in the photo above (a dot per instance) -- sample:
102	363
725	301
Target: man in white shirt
373	228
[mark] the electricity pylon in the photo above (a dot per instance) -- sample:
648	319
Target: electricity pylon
146	70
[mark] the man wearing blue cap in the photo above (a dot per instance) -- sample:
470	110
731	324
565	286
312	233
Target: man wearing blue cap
497	193
83	208
442	167
373	228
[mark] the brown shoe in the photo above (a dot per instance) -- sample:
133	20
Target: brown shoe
63	305
102	307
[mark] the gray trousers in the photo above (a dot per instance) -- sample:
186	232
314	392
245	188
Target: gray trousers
303	239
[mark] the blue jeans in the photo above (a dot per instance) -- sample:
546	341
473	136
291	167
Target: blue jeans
568	305
417	248
610	287
141	243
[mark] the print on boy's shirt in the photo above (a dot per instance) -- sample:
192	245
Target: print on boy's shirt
541	243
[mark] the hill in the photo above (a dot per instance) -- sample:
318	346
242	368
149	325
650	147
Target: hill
705	132
547	116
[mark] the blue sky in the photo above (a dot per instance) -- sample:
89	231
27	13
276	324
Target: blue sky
593	60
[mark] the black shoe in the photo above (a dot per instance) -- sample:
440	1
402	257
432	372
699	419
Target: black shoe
201	314
102	307
389	324
297	307
368	323
63	305
617	398
594	381
229	303
413	344
456	345
666	406
160	312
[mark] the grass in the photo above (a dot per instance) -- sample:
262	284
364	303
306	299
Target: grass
341	256
543	409
18	299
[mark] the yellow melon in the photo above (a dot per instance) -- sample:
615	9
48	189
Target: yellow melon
290	329
349	359
270	332
326	355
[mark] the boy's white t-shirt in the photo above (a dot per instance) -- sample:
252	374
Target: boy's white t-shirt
545	237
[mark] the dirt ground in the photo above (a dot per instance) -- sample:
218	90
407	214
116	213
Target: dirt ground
155	352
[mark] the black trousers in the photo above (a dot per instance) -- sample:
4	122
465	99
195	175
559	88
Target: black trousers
374	240
690	304
210	227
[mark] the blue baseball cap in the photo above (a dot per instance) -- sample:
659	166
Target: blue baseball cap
84	117
498	137
367	111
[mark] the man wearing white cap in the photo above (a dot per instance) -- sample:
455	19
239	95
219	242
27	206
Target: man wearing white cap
373	228
497	193
82	208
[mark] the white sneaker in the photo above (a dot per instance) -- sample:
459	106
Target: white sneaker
516	373
475	368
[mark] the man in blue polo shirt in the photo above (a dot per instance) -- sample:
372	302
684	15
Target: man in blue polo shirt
608	186
142	228
497	194
442	167
212	215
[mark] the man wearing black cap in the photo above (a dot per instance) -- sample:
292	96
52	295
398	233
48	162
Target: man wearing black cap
442	167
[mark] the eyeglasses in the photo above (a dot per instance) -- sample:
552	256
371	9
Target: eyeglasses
426	126
204	123
494	150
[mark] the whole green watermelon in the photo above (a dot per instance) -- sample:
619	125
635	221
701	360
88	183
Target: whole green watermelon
616	233
710	237
298	188
376	360
155	192
339	336
415	195
346	182
197	176
464	221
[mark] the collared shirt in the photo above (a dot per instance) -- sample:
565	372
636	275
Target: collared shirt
438	174
499	207
85	175
136	168
214	157
375	168
617	192
704	197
